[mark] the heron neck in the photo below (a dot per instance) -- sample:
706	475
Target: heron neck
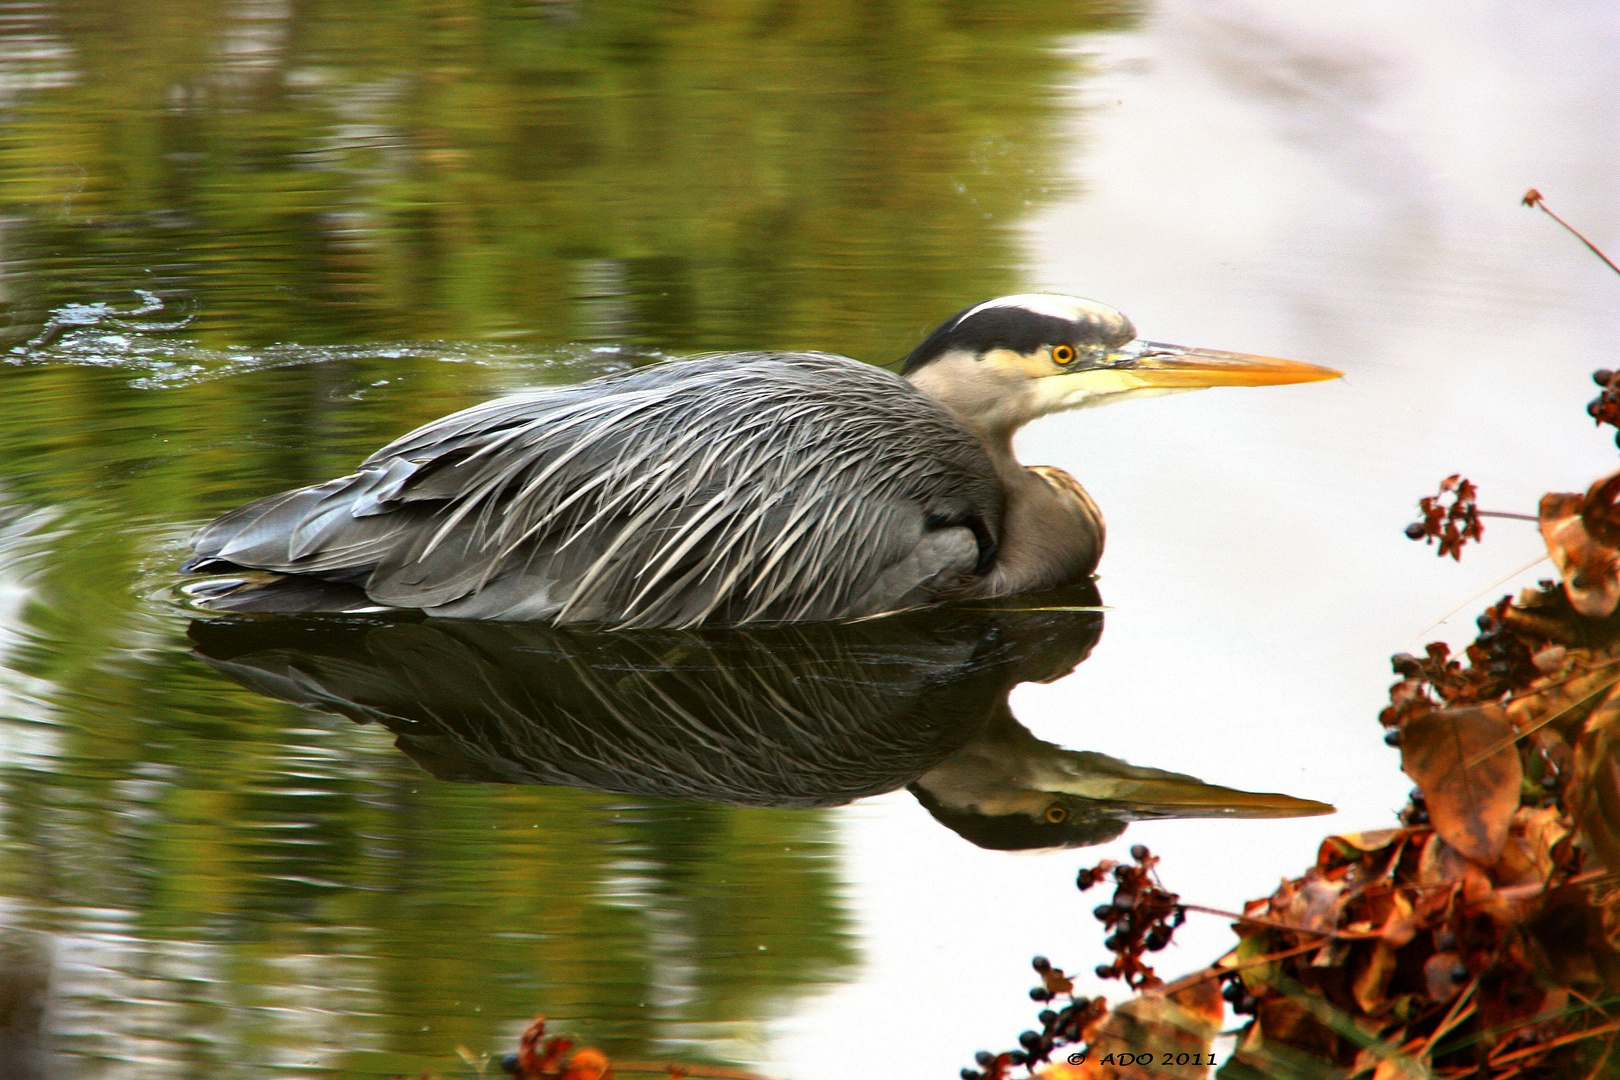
991	774
1051	532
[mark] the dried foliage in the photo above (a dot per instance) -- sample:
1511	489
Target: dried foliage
542	1058
1583	539
1480	938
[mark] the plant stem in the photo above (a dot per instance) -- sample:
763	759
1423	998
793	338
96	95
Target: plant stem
1533	198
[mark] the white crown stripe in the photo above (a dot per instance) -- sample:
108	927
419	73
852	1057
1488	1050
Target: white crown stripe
1055	305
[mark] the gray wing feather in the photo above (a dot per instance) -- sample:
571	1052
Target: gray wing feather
728	489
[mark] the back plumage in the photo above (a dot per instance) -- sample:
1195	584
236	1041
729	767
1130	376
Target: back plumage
735	489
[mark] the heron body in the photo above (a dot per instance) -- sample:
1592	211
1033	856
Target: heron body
728	489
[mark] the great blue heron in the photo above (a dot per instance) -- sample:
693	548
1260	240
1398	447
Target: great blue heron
790	716
728	489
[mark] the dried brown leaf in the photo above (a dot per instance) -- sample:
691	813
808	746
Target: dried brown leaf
1055	982
1178	1026
1316	906
1401	1068
1594	795
1373	980
1466	764
1589	568
1362	842
1439	865
1527	858
1402	924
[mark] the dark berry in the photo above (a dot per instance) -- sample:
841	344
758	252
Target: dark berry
1121	873
1041	964
985	1058
1085	879
1017	1057
1158	938
1030	1040
1602	376
1549	781
1459	973
972	1074
1417	797
1046	1017
1406	664
1040	993
1103	912
1415	531
1392	737
1233	991
509	1064
1139	852
1105	971
1114	942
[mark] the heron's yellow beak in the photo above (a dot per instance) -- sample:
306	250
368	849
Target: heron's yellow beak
1179	368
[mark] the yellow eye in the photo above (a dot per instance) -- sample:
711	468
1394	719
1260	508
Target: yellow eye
1054	813
1063	354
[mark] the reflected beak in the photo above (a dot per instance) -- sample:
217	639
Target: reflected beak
1192	799
1179	368
1136	791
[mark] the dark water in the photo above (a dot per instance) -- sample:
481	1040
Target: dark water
242	244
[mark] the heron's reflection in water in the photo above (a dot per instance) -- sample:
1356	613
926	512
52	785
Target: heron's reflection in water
798	716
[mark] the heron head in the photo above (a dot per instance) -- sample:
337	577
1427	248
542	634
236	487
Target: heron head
1000	364
1007	789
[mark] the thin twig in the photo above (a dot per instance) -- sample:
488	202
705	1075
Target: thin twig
1489	1034
1542	1048
1421	634
1533	198
1505	514
1560	682
1455	1016
1608	1048
1348	935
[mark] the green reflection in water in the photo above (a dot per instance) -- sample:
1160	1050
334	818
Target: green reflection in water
701	175
275	884
234	884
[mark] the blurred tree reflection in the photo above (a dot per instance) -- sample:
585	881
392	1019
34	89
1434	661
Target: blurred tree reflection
709	174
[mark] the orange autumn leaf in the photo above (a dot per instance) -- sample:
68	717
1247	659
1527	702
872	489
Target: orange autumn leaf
1466	763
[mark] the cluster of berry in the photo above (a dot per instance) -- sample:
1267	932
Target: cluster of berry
1454	523
1500	655
1605	408
1237	995
1143	917
1499	662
